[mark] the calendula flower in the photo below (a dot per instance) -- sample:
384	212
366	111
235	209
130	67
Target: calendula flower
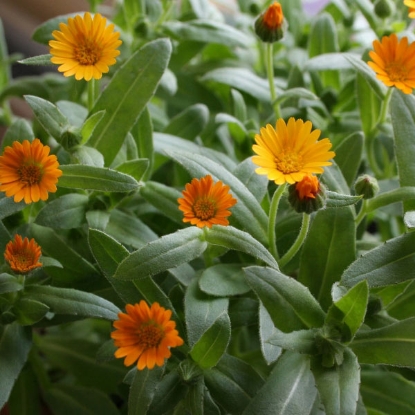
85	47
22	255
308	195
290	151
145	334
269	26
205	203
394	62
411	5
28	172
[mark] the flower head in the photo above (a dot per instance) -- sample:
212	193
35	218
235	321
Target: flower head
269	26
394	62
85	47
411	5
308	195
290	151
22	255
308	187
145	334
205	203
28	172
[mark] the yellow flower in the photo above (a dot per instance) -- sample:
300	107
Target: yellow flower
28	172
394	62
22	255
85	47
411	5
145	334
290	151
205	203
308	187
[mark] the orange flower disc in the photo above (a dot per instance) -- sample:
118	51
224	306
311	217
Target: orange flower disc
22	255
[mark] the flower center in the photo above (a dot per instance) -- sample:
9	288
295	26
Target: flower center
30	174
23	260
87	52
288	162
204	209
396	71
150	334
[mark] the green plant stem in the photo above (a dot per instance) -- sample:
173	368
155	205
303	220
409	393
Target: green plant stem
92	93
289	255
272	219
269	55
384	109
362	213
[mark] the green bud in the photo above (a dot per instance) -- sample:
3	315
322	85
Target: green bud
307	196
384	8
270	25
367	186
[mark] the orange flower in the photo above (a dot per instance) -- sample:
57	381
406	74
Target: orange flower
308	187
28	172
85	47
394	62
22	255
290	151
273	16
145	334
411	5
205	203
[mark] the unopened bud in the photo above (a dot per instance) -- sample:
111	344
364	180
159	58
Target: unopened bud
367	186
308	195
384	8
270	25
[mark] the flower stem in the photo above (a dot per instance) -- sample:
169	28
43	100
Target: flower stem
362	213
92	93
289	255
270	72
384	108
272	219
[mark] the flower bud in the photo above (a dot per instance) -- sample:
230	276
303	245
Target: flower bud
367	186
270	25
384	8
308	195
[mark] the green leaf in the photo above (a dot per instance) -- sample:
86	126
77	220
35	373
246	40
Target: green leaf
71	399
87	156
208	31
201	311
19	131
142	390
49	116
208	350
8	206
72	302
15	344
336	200
388	392
327	251
338	386
348	313
349	155
302	341
233	238
247	210
189	123
241	79
269	351
95	178
223	280
9	284
296	93
390	345
135	83
90	124
66	212
43	33
289	388
402	109
108	254
134	168
289	303
385	265
42	60
29	311
164	253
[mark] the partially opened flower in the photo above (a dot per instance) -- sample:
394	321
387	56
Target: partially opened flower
85	47
145	335
28	172
270	25
290	151
308	195
22	255
308	187
205	203
411	5
394	62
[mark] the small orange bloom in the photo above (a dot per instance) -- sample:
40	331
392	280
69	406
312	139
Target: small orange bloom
394	62
28	172
205	203
273	16
145	334
23	255
308	187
